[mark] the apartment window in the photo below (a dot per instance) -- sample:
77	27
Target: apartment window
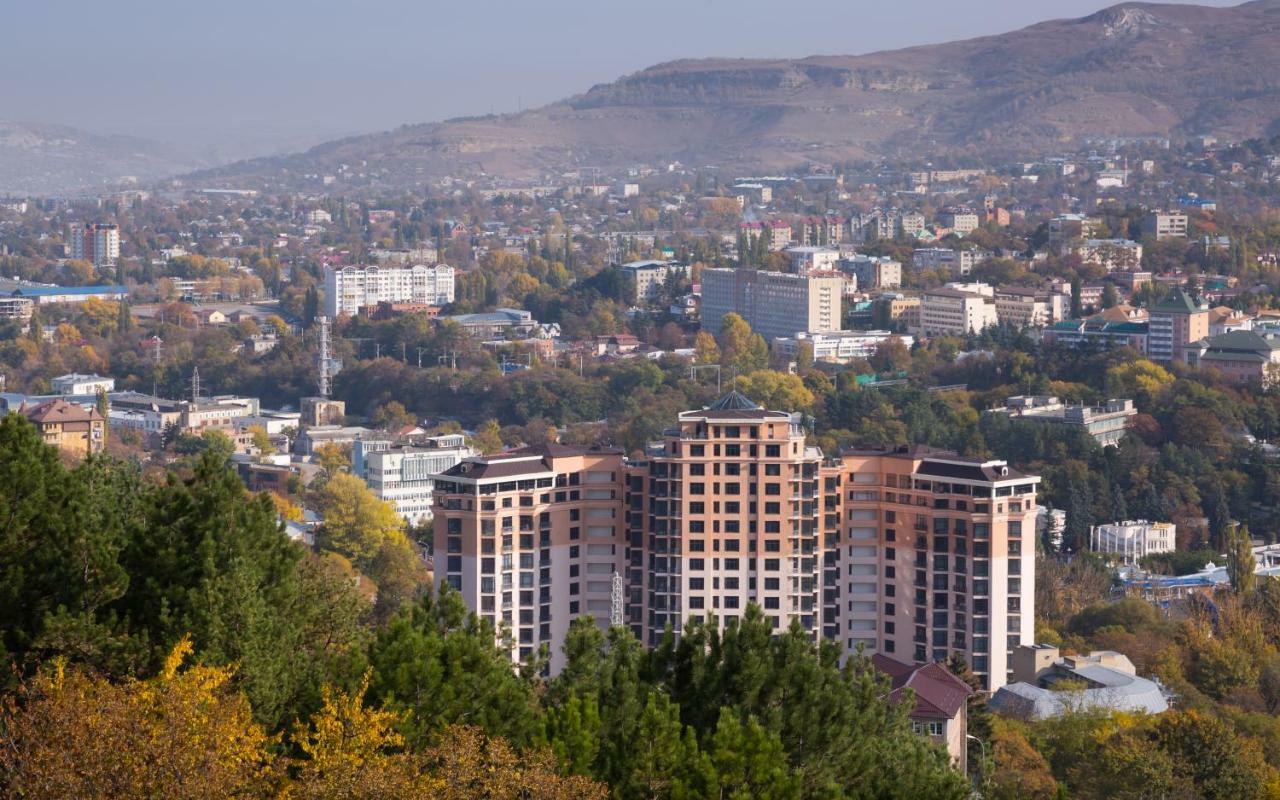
697	507
773	488
772	545
697	488
697	564
771	564
773	451
697	526
772	470
771	603
697	584
771	584
698	450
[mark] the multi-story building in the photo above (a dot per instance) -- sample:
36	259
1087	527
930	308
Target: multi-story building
956	262
1030	308
1175	322
962	221
948	311
827	230
778	232
533	539
873	272
403	473
1111	254
1100	332
1067	228
774	304
646	279
911	552
1133	539
1165	225
95	242
19	308
1241	356
350	289
1106	423
69	427
910	223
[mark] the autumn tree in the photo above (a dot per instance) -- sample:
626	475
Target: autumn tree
183	734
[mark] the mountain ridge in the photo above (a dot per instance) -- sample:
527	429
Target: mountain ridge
1134	69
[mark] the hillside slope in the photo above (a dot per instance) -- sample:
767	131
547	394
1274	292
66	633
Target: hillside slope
1136	69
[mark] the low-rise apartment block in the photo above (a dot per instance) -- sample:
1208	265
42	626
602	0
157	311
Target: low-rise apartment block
839	347
1030	308
646	279
872	272
1165	225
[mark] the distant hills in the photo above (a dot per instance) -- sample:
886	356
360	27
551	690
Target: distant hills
43	159
1133	70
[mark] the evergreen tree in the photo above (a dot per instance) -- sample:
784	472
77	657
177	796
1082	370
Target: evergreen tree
1240	559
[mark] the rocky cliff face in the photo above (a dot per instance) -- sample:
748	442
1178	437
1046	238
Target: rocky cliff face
1131	70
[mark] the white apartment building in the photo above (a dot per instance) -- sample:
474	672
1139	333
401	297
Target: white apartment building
956	312
404	474
349	289
646	278
774	304
1133	539
75	383
957	262
838	347
1112	254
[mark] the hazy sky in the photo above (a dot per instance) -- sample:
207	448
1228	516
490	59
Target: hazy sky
281	73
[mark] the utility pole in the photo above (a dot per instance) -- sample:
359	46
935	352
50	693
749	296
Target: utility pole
420	349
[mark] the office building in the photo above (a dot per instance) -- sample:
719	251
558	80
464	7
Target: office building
774	304
402	473
1030	308
350	289
95	242
911	552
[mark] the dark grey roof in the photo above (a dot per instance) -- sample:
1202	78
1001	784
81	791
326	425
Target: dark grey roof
734	401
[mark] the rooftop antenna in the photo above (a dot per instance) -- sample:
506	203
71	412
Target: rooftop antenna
325	382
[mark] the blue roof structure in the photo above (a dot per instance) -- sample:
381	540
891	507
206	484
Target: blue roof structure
44	291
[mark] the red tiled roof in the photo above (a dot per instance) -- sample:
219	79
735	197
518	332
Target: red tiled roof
939	694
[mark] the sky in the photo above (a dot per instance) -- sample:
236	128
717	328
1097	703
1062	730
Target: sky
243	77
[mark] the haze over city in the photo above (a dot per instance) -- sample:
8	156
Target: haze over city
242	78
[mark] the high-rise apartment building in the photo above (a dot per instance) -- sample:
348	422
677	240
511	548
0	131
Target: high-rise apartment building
95	242
349	289
912	552
532	539
774	304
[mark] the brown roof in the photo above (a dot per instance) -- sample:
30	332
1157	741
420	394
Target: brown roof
939	694
60	411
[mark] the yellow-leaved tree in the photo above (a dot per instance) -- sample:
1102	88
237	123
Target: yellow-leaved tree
183	734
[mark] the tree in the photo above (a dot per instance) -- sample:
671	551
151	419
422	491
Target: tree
356	522
776	390
705	349
739	347
333	459
1240	560
1020	772
488	437
183	734
392	415
439	664
262	440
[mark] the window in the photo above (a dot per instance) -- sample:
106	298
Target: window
773	545
773	451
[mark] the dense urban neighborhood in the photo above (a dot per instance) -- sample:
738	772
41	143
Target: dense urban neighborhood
935	476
